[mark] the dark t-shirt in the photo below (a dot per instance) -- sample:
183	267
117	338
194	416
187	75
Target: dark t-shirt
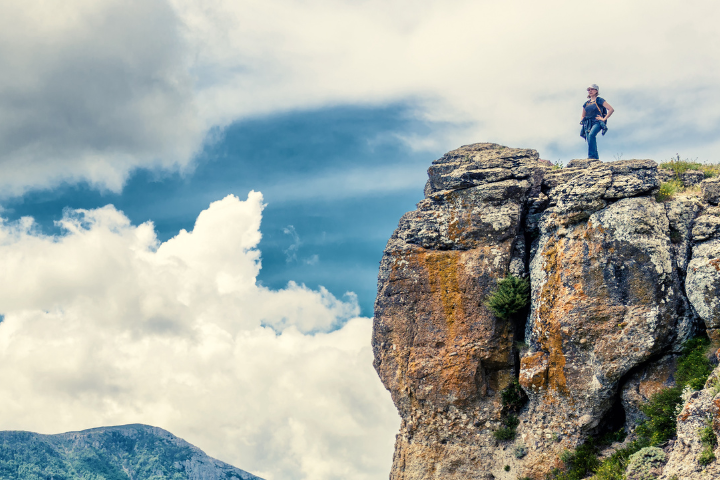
592	110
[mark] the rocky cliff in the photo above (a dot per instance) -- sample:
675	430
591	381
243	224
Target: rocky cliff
129	452
618	280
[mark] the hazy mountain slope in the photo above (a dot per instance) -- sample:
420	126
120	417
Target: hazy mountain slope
128	452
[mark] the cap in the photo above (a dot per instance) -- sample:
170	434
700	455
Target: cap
594	86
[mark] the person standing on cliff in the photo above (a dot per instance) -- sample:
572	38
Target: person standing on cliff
595	113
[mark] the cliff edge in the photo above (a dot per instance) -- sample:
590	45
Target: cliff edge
618	282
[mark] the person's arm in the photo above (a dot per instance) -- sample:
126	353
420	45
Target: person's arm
610	111
582	117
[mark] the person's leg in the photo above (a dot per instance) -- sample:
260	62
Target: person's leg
592	141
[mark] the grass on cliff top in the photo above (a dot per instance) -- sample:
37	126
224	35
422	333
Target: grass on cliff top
681	166
669	189
693	370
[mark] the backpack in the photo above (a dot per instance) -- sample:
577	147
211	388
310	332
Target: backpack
601	108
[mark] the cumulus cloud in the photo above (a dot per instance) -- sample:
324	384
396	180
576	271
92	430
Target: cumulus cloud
91	90
105	325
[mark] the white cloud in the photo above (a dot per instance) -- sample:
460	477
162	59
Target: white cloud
513	72
91	90
292	250
105	325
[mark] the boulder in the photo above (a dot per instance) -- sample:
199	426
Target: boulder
692	177
606	298
711	190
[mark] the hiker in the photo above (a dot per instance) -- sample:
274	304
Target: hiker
595	113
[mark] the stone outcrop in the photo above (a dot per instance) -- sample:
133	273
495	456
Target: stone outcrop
618	282
711	190
606	297
439	351
689	178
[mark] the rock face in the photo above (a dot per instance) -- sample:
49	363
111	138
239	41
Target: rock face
131	452
618	282
441	353
703	276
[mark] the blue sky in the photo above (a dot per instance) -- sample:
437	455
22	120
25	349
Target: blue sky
315	230
173	111
324	175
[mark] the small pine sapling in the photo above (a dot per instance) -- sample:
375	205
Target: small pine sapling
511	296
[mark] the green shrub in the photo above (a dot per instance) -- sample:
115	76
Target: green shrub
668	190
507	468
509	430
513	397
660	412
680	166
505	434
709	441
578	463
511	296
644	464
693	370
707	456
693	366
583	462
707	435
520	450
613	468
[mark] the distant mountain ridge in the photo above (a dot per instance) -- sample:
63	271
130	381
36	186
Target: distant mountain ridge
127	452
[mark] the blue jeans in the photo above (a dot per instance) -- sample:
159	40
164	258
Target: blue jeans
592	141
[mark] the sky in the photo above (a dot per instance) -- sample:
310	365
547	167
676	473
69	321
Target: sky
196	195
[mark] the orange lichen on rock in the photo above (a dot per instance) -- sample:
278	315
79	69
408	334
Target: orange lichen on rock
441	342
442	273
715	263
553	308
